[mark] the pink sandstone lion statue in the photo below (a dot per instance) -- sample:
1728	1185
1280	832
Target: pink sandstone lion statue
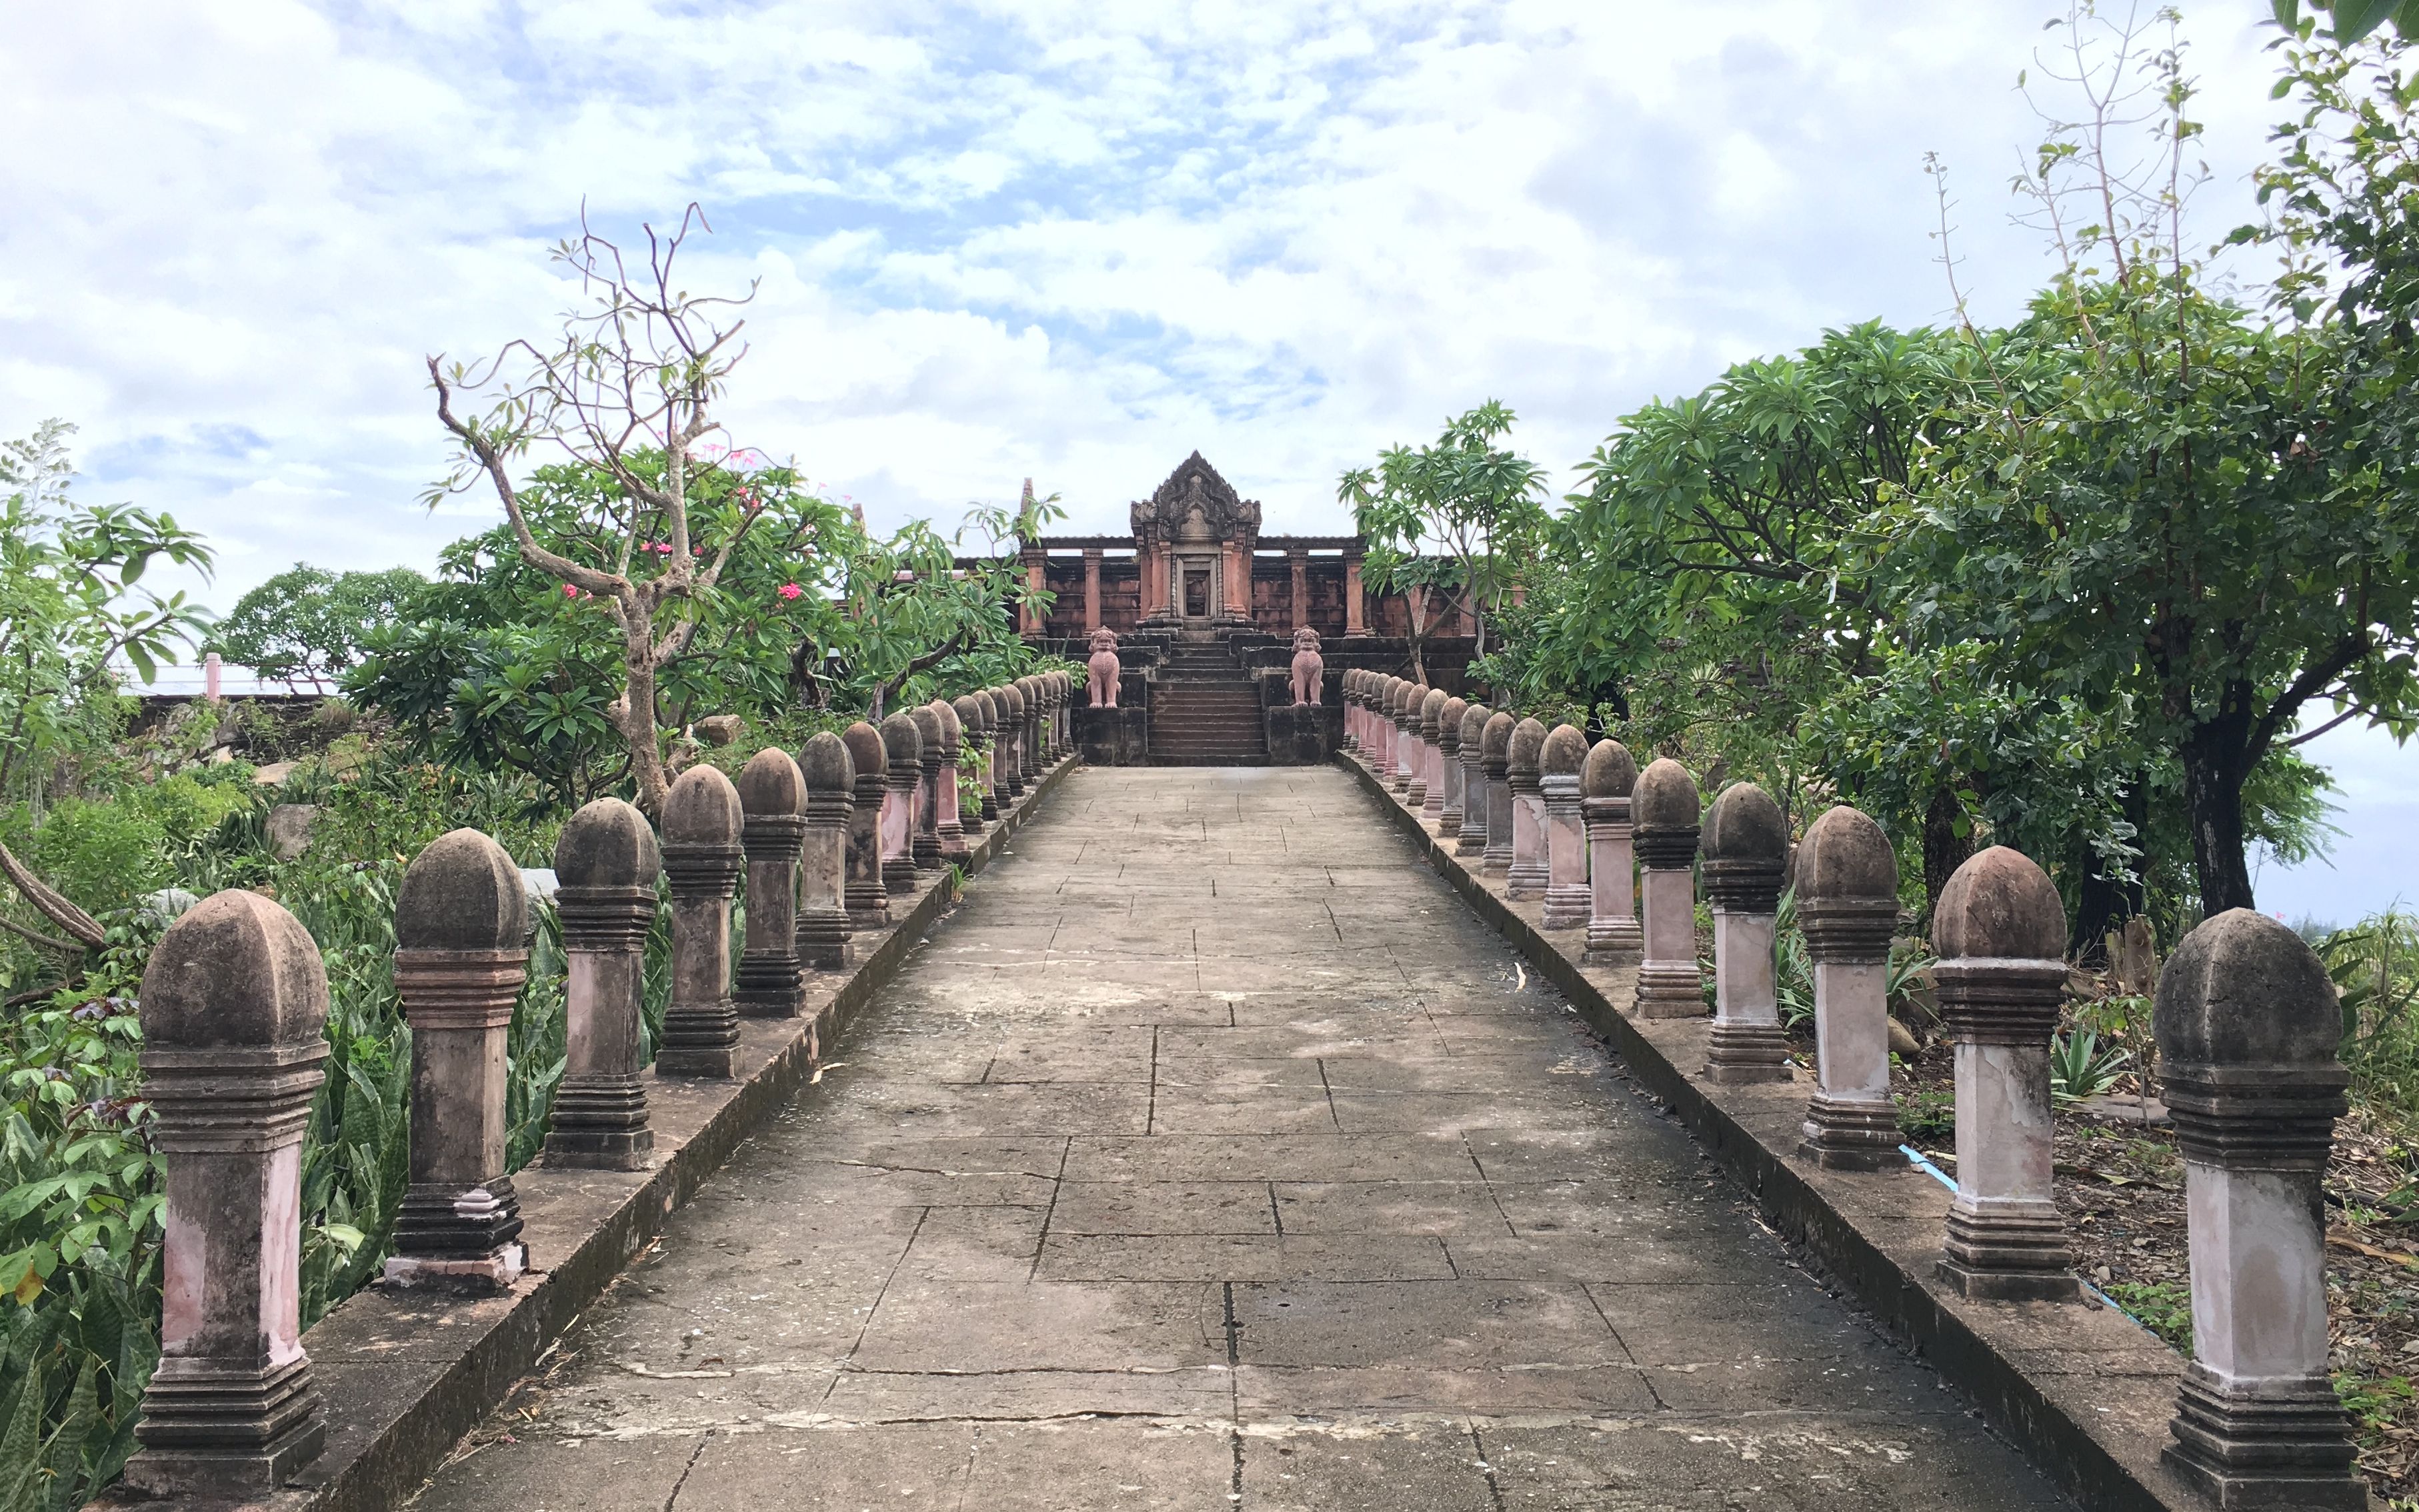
1308	665
1105	669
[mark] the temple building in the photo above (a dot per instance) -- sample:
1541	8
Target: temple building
1195	561
1206	611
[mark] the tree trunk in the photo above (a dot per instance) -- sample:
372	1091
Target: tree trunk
2102	903
638	708
2213	801
1943	849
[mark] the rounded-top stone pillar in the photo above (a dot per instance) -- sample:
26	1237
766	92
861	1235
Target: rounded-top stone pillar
2247	1025
1449	807
2001	933
1430	781
1029	746
926	845
946	821
1495	760
1847	904
1010	751
823	890
771	801
1527	875
703	859
607	862
987	709
1664	810
1566	861
968	710
1402	700
869	901
461	933
1746	849
904	746
1348	690
1471	741
1606	779
234	1006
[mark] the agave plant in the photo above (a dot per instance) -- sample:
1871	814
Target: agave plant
2081	1067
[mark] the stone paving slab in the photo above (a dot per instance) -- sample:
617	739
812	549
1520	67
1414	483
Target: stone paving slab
1212	1156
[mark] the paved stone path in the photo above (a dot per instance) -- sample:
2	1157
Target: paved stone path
1213	1156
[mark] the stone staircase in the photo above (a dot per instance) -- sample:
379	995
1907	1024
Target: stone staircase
1205	710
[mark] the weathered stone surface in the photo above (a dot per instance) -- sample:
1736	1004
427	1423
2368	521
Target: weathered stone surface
233	1004
1495	760
773	800
1847	904
290	829
1565	834
904	746
609	861
1745	846
1605	779
929	1284
720	728
869	900
2001	932
823	899
703	859
2247	1025
461	927
1526	876
1663	807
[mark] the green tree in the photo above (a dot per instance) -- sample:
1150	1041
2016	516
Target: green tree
71	604
308	624
1450	523
627	394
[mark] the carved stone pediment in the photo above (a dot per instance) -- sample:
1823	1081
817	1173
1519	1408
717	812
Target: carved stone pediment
1197	506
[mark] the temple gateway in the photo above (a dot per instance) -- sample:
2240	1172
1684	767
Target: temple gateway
1206	611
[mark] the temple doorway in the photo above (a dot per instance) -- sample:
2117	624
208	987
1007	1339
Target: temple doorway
1196	592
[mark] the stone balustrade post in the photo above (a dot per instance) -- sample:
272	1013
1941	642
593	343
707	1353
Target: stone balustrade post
2001	929
1566	857
1527	876
461	931
868	760
925	846
1746	851
704	819
1664	814
1378	719
1449	810
608	863
1010	751
988	715
967	711
830	780
1431	780
773	823
1605	779
905	745
1470	837
1846	878
1349	686
1495	758
234	1006
1063	711
2247	1024
1028	745
1407	739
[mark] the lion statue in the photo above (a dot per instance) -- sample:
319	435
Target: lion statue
1105	669
1309	667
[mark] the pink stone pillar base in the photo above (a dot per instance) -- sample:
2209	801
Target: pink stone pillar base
1747	1045
1851	1124
1669	983
1613	930
1527	875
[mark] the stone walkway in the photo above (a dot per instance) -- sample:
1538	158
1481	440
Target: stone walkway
1213	1156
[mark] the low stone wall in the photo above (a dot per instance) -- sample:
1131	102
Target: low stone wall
2085	1391
404	1373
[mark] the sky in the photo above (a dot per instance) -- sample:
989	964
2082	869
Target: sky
990	242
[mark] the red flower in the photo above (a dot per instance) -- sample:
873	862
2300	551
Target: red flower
790	590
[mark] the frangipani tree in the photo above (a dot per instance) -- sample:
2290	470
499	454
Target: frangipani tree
627	394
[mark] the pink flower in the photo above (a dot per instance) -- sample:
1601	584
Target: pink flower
569	592
790	590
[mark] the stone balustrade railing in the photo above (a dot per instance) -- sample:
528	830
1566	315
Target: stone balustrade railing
234	1002
2246	1021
